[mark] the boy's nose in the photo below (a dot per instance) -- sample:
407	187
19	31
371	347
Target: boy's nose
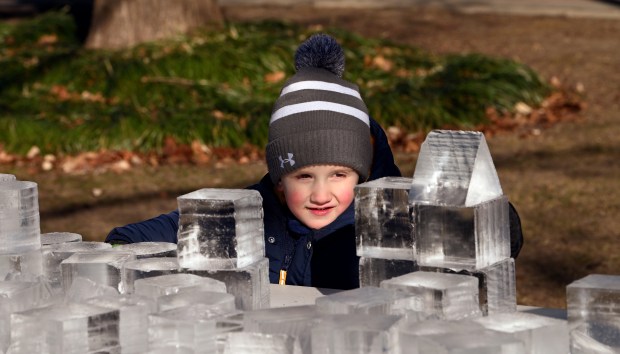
320	194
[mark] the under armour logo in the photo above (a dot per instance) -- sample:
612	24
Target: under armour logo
289	160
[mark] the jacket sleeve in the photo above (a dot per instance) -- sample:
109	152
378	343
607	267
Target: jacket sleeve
516	234
162	228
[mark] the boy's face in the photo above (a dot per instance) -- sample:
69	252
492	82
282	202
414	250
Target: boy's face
318	194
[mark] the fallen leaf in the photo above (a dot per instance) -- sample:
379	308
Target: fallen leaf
274	77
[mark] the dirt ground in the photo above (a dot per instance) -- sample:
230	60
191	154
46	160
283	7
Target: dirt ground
563	179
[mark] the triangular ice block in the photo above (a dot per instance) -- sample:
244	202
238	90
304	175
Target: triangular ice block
455	168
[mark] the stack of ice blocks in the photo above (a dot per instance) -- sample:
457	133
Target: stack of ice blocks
457	216
20	234
384	229
221	236
461	216
593	308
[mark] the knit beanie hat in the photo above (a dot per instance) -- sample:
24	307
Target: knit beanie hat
319	118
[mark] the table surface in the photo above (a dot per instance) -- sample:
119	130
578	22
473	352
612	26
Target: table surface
291	295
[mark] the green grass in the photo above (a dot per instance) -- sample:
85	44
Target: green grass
210	86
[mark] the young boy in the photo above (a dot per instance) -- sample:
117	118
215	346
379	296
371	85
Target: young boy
322	143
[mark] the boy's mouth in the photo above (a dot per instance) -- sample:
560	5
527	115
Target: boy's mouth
320	211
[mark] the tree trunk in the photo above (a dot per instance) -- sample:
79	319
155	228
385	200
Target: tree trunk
123	23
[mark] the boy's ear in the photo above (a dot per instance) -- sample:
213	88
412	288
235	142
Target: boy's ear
279	186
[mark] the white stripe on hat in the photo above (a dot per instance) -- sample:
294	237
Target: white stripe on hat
320	106
319	85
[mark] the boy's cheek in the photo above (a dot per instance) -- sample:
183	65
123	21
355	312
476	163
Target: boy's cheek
347	197
294	197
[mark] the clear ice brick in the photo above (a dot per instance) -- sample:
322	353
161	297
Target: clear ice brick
52	238
82	289
147	267
295	321
364	300
382	220
18	296
133	319
447	296
19	217
149	249
497	288
73	328
355	333
175	283
25	266
593	311
455	168
218	300
479	342
410	330
475	236
5	177
374	270
191	328
540	334
102	267
249	284
54	253
220	228
260	343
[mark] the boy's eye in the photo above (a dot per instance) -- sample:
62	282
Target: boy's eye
303	176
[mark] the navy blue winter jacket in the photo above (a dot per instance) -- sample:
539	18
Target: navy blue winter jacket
324	258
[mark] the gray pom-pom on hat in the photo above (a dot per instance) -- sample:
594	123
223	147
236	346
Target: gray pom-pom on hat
319	118
320	51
